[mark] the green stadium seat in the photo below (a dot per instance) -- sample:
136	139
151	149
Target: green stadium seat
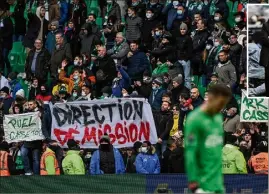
195	80
99	22
17	57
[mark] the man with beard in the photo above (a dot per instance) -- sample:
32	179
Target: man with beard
107	159
225	70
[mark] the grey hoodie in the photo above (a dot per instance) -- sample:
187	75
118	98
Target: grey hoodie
226	73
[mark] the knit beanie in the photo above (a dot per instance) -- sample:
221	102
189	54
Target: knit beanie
184	26
158	81
21	93
5	89
55	23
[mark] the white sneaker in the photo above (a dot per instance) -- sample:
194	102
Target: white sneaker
28	174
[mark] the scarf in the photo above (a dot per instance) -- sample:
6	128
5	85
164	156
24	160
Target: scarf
175	125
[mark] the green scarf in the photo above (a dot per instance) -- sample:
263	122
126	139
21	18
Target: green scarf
12	10
233	6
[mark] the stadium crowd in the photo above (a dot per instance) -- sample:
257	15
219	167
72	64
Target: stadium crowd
169	52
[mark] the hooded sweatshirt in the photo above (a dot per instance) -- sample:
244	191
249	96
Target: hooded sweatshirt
40	34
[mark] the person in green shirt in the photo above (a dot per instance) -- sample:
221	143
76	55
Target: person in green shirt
204	142
233	161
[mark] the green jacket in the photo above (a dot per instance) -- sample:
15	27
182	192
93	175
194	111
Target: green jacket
233	161
160	69
73	164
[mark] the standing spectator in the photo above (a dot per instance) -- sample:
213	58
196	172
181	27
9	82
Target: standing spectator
7	164
147	162
78	14
72	163
259	161
264	58
171	146
6	33
155	98
176	160
37	63
243	58
184	52
225	70
196	6
3	81
235	52
233	161
139	7
88	39
122	81
62	51
199	43
112	8
92	21
137	62
232	120
16	11
110	31
105	70
51	41
216	5
63	12
133	25
72	38
130	164
48	163
37	28
54	11
107	159
6	102
178	88
196	98
156	8
120	49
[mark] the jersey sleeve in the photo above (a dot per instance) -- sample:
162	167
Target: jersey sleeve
191	146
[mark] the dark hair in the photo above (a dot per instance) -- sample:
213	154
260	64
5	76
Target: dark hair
92	14
132	8
225	52
134	42
166	95
159	26
185	96
220	90
18	106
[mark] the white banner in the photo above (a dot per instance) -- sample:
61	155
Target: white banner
22	127
125	120
253	109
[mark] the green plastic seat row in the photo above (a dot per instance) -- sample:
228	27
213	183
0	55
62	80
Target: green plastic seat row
17	57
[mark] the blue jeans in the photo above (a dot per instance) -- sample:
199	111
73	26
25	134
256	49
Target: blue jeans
187	72
17	38
160	148
26	161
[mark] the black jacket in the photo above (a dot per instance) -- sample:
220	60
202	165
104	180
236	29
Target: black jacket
78	13
166	51
165	160
176	161
42	64
114	11
20	21
176	92
147	27
184	47
107	65
6	33
34	25
161	119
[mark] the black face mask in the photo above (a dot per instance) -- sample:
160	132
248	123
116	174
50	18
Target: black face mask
104	147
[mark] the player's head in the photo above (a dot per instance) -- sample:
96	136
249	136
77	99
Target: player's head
218	96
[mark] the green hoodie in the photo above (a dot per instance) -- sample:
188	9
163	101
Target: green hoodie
233	161
73	164
160	69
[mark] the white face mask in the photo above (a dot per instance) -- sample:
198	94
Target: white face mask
75	77
148	15
144	149
130	14
216	43
76	63
238	19
83	93
216	18
208	47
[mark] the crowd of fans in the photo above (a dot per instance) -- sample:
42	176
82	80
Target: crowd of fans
258	69
157	50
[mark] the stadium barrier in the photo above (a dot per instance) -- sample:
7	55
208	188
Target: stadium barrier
127	183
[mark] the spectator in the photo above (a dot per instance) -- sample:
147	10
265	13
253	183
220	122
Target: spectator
62	51
259	161
86	93
110	30
225	70
137	62
72	163
112	8
156	8
196	6
233	161
176	159
51	41
139	7
44	95
6	102
88	39
144	88
107	159
130	164
121	82
196	98
147	162
8	167
235	52
155	98
78	14
92	22
63	12
14	84
178	88
134	24
232	120
34	89
37	63
171	146
54	11
48	163
37	28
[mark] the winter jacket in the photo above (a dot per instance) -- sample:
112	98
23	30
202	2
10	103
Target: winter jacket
87	41
264	58
107	65
73	164
41	66
95	163
144	90
157	9
137	64
226	73
148	163
34	26
6	34
176	92
78	13
166	51
119	52
15	86
235	53
18	16
148	26
232	124
119	84
54	11
160	70
113	11
58	55
7	103
51	41
70	81
163	127
176	161
184	47
133	28
197	102
171	15
155	98
63	12
233	161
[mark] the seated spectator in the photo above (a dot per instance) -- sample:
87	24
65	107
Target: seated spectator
147	162
107	159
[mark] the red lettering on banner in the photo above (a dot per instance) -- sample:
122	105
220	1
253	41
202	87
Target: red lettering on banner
122	133
89	136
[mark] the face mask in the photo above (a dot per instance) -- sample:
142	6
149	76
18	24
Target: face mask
208	47
238	19
216	44
148	15
154	88
157	33
75	77
217	18
83	93
75	94
76	63
104	147
152	3
130	14
144	149
175	3
179	12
